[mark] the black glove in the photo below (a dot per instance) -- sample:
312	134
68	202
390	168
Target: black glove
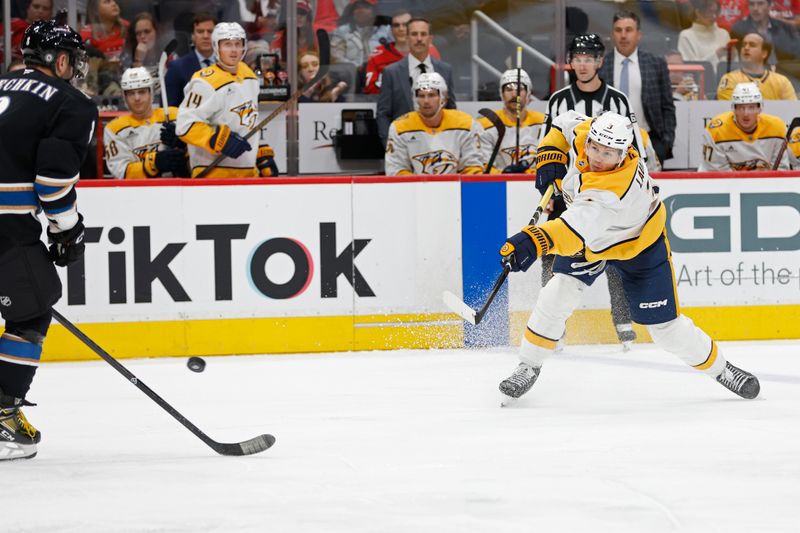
520	250
549	173
169	137
518	168
67	246
173	161
229	142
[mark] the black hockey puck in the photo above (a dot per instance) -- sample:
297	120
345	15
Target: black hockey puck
196	364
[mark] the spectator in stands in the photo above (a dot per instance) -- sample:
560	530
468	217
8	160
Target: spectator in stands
34	10
106	30
306	36
327	90
781	35
357	35
744	138
731	12
644	78
753	52
396	98
390	52
684	85
141	48
202	56
787	11
265	14
705	40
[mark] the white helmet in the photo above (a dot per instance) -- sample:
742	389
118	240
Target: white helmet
746	93
227	30
510	76
136	78
612	130
432	81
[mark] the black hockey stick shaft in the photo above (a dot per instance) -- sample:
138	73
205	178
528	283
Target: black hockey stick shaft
506	267
248	447
519	103
785	144
324	52
501	133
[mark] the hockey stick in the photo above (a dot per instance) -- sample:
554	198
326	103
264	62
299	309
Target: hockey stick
460	308
637	136
785	144
519	101
729	53
501	132
248	447
162	69
324	52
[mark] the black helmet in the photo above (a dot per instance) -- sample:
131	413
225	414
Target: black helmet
588	43
45	38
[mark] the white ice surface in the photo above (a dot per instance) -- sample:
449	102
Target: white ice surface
415	441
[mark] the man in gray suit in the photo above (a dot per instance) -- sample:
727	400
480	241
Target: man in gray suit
644	79
395	98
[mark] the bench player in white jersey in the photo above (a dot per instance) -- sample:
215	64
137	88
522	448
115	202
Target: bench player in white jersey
530	124
744	138
220	107
433	140
614	216
143	144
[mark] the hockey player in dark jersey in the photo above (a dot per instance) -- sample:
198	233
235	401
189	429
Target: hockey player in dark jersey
45	128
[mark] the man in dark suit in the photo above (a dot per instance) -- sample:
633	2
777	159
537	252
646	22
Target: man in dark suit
182	69
644	78
395	98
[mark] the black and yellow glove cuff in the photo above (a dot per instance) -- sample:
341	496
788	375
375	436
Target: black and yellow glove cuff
547	155
540	239
265	151
220	137
149	164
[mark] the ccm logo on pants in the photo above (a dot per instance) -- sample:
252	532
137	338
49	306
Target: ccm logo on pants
652	305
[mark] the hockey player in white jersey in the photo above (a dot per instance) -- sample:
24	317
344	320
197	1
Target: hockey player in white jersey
744	138
614	216
143	144
793	148
220	107
433	140
510	159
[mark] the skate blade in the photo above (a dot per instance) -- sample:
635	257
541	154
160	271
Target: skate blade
12	451
507	401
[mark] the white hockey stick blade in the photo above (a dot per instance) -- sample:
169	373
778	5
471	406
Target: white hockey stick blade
459	307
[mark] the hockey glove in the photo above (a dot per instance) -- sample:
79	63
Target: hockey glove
521	250
173	161
516	168
266	162
228	142
551	165
67	246
169	137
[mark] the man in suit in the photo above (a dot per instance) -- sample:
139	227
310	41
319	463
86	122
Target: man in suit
644	79
395	98
202	56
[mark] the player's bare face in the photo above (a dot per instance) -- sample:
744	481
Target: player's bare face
309	66
429	103
585	66
746	116
399	27
39	10
626	36
601	158
201	37
231	51
140	102
510	97
419	39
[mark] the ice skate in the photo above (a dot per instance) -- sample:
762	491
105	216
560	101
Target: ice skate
739	381
626	336
18	438
519	382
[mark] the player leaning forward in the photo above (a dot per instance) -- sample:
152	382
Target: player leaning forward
45	129
614	215
220	107
433	140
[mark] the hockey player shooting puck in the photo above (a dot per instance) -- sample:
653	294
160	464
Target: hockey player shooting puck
196	364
